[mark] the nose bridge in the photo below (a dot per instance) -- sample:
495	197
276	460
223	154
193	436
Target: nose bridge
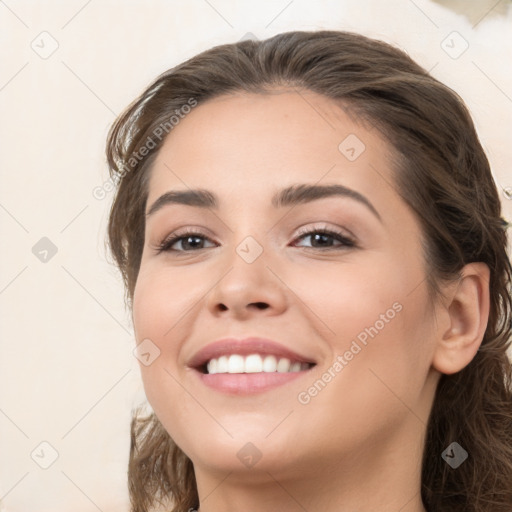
248	263
252	243
250	236
247	279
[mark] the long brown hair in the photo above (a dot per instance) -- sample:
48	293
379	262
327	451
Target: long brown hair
441	171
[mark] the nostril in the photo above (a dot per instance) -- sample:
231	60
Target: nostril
261	305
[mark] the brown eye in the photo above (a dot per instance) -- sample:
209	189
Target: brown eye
325	238
190	241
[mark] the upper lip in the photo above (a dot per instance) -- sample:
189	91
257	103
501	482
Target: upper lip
246	346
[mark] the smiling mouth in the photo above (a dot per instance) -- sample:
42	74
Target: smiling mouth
248	366
252	363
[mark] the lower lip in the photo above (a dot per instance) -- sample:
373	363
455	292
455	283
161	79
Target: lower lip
247	383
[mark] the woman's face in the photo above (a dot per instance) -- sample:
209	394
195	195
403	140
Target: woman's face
348	372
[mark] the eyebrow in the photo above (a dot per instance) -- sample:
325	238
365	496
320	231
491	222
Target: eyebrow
289	196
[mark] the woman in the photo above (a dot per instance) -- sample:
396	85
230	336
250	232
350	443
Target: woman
311	243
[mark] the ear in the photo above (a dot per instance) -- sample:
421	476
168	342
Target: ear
466	314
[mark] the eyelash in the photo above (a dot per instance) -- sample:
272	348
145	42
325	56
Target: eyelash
346	242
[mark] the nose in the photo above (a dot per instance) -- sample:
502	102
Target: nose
244	289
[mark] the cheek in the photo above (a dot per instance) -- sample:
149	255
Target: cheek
158	306
161	299
148	307
381	329
375	379
358	299
395	353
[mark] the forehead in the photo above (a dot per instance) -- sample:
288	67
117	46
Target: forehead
244	143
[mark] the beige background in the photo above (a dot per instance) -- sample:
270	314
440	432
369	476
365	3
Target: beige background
68	376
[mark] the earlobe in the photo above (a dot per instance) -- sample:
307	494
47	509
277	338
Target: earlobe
467	313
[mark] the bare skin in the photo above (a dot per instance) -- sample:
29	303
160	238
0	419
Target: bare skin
356	443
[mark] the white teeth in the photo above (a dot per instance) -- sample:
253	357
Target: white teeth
283	366
295	367
254	363
269	364
222	364
236	364
213	365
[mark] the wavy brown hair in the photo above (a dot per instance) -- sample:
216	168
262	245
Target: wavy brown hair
442	173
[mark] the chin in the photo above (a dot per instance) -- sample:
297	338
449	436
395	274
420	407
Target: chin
242	453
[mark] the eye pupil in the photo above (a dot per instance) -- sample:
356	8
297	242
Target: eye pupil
186	240
322	238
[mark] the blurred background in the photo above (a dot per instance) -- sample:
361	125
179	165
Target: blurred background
68	377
